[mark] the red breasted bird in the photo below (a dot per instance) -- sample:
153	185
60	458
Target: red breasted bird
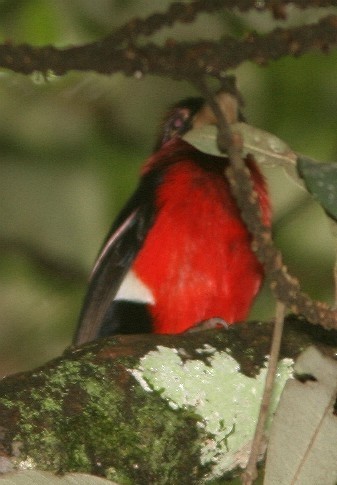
178	254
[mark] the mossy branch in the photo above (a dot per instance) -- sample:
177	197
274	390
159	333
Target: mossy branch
93	410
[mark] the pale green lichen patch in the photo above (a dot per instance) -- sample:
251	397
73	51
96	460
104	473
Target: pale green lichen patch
226	400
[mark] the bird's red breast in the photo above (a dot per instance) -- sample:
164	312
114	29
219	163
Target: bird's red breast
197	259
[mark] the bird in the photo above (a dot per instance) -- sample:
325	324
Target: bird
178	255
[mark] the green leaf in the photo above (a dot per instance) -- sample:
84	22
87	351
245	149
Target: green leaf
266	148
321	182
320	179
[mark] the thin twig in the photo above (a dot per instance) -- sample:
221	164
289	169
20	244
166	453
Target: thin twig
251	473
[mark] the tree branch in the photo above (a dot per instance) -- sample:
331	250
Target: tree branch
96	408
176	60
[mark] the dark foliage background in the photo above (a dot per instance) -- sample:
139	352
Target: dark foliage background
71	148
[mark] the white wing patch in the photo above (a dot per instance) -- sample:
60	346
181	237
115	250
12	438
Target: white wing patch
133	289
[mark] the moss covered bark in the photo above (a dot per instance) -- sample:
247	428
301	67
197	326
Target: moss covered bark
96	409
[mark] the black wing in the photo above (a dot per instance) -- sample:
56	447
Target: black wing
118	252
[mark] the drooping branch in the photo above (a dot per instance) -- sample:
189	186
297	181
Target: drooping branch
285	287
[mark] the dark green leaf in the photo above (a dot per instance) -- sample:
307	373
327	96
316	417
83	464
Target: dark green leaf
321	182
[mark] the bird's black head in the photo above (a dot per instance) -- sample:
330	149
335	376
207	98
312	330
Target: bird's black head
178	120
195	112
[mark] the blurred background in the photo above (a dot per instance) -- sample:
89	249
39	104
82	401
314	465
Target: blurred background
71	148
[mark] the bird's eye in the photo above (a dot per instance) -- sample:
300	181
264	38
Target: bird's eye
177	124
178	120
